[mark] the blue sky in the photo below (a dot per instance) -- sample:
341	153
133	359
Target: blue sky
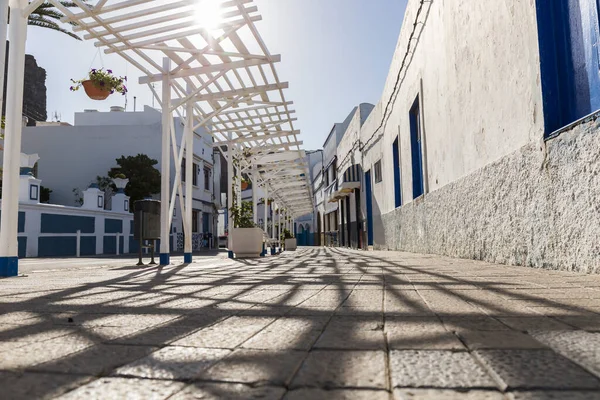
335	55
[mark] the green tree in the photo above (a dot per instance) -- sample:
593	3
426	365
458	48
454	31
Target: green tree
45	194
144	178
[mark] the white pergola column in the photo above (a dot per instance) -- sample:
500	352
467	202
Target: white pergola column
273	221
254	197
9	246
165	228
3	36
266	221
189	170
230	194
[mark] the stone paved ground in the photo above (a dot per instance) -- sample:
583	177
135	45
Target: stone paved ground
313	324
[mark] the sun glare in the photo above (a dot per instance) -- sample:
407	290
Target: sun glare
208	13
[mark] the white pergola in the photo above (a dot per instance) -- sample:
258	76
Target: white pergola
214	71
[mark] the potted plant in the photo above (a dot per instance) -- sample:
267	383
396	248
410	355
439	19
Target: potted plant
245	184
120	181
247	238
289	241
100	84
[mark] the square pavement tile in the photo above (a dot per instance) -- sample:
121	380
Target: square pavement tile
481	323
527	324
437	369
123	388
256	367
32	333
288	333
476	340
340	369
535	369
579	346
229	333
437	339
555	395
34	385
229	391
336	394
357	323
437	394
351	340
173	362
96	360
41	352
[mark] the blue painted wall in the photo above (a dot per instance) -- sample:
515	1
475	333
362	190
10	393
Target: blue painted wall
113	226
22	242
134	245
21	221
569	39
65	246
110	245
55	223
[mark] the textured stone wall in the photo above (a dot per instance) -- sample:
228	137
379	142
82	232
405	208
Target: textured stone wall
538	207
34	93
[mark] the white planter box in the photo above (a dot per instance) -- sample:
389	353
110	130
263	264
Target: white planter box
291	244
247	242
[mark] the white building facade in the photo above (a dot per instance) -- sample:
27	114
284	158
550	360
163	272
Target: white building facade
99	138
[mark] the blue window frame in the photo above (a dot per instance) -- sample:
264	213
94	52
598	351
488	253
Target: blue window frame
33	192
397	176
569	41
416	149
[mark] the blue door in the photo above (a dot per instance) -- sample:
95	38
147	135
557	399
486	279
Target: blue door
397	183
369	195
415	147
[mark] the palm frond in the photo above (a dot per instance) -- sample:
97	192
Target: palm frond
49	24
46	13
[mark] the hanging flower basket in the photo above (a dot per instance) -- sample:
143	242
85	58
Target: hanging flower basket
101	84
245	185
94	92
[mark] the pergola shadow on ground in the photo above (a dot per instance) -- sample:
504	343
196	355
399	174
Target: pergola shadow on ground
316	323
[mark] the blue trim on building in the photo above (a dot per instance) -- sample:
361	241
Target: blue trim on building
9	266
187	258
164	259
568	38
397	177
369	196
113	225
56	223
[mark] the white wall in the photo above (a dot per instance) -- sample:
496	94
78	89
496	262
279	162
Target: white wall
478	103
